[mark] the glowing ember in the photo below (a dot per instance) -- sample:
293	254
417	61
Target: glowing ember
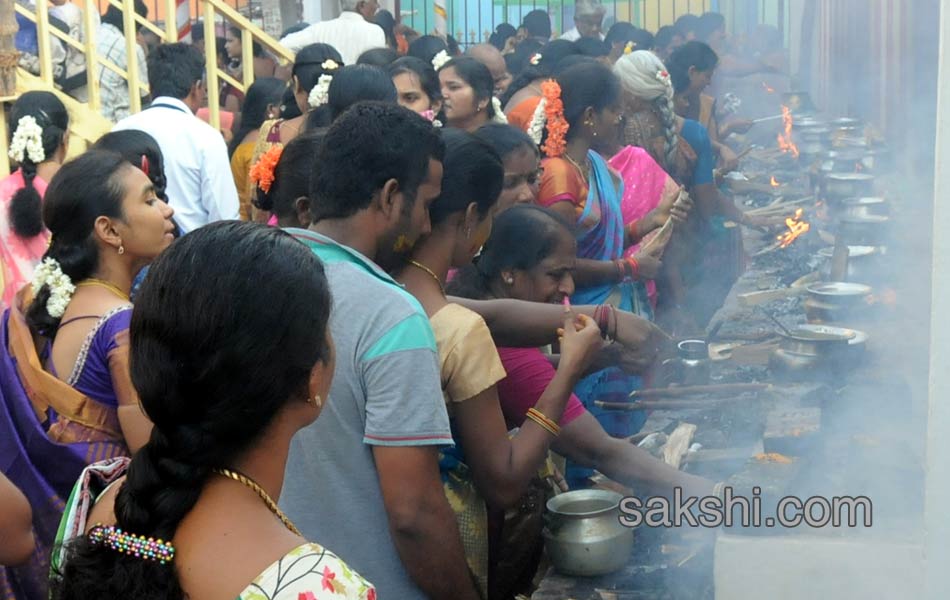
888	298
767	88
774	182
796	228
785	138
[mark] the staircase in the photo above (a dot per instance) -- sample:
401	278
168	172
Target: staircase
86	122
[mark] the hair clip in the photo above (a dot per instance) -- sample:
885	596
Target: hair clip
138	546
144	165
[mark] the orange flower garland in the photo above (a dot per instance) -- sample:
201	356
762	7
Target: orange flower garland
556	124
262	172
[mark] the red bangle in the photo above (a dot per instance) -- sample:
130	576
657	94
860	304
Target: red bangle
601	318
634	266
621	269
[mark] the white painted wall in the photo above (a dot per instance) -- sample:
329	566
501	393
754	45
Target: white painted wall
937	486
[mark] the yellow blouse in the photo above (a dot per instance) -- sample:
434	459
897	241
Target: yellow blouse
240	166
467	356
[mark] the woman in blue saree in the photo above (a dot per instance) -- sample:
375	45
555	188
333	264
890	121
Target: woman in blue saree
580	107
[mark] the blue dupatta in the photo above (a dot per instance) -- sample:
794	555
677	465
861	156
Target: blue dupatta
600	236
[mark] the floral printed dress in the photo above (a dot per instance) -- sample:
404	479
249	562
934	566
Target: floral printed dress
309	572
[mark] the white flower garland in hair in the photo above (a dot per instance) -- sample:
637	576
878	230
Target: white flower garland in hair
61	288
536	129
320	94
499	113
535	59
439	60
664	77
27	141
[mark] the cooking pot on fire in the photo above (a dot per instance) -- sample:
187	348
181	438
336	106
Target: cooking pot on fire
870	206
583	535
817	351
868	230
848	185
862	261
847	160
843	294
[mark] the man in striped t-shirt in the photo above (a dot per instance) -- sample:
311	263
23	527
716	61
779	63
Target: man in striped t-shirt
364	479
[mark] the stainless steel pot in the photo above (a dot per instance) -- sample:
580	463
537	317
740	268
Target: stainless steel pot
862	262
815	351
841	294
857	340
842	161
870	206
583	534
848	185
870	230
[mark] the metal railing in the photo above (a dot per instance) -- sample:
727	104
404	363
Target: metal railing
215	13
473	21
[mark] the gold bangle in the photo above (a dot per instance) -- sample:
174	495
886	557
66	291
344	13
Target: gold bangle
541	424
539	418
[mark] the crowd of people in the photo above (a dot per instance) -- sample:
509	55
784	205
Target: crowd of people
404	278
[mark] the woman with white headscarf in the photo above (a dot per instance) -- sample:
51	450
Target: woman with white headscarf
683	148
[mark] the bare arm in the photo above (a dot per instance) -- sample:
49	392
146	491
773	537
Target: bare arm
136	428
584	441
422	523
16	525
521	324
502	467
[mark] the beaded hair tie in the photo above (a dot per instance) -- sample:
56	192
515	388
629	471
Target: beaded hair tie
138	546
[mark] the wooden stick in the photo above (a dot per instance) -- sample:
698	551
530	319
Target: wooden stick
691	390
668	404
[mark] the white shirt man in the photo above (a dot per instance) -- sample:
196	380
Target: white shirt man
352	33
588	20
200	186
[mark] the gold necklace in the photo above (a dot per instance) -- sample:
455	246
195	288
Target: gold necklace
105	284
251	484
584	172
429	271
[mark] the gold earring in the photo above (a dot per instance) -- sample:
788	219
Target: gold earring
121	249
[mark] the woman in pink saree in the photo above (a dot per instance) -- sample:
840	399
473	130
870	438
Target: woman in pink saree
648	191
40	124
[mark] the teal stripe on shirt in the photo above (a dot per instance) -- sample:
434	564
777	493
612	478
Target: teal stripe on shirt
412	333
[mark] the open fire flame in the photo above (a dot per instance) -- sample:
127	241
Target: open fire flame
785	138
774	182
796	228
767	88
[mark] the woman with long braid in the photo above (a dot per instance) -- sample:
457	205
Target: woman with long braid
66	398
40	126
227	385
